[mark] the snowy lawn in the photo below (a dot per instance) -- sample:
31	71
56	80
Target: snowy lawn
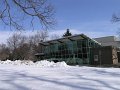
57	77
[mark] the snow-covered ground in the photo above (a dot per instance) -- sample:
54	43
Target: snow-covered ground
50	76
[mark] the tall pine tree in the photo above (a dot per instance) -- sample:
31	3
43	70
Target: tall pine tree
68	33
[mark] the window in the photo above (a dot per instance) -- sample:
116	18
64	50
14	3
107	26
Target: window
84	43
95	57
79	55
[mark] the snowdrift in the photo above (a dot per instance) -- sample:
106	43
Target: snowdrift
43	63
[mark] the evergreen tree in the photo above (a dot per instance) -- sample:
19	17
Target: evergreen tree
68	33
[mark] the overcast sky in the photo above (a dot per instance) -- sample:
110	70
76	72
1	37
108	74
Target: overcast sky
91	17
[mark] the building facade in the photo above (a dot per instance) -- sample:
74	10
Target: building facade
72	49
109	41
105	55
114	43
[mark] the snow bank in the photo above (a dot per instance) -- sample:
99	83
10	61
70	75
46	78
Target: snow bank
46	63
43	63
13	77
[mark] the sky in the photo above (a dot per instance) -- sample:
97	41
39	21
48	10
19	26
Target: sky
91	17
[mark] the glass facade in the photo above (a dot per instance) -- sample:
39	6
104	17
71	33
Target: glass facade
71	51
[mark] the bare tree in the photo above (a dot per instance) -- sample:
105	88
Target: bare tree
38	37
34	42
115	18
4	52
54	36
22	47
24	52
13	12
14	42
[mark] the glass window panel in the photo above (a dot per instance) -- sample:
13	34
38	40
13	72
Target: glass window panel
79	55
84	55
79	50
84	43
71	55
84	50
76	55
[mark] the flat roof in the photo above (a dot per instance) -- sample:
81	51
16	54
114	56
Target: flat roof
68	38
106	39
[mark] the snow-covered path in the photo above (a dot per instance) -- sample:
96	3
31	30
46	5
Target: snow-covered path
23	77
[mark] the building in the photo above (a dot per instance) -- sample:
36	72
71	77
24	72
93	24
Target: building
109	41
75	49
105	55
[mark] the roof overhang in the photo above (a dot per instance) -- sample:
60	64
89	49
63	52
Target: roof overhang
65	39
